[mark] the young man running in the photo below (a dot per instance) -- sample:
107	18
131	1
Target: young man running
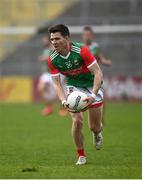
82	73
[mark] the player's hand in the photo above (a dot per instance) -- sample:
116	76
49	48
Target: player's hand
65	104
90	99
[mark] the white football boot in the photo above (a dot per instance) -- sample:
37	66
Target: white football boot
81	160
98	140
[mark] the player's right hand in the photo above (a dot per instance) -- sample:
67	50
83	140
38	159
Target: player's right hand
65	104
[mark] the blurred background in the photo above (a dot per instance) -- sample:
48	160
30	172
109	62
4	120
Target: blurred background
35	146
117	25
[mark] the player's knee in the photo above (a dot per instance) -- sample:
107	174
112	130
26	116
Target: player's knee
92	128
77	121
77	124
96	128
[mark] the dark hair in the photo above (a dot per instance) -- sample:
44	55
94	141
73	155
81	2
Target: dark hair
61	28
88	28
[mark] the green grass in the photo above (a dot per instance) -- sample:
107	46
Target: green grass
32	146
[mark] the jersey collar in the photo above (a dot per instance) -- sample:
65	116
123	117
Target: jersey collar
66	57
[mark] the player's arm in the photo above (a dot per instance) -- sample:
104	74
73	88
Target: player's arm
95	69
103	60
93	66
60	92
55	75
58	87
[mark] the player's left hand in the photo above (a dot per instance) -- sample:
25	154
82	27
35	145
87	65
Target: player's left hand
89	100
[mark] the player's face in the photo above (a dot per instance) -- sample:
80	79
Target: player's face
58	41
87	37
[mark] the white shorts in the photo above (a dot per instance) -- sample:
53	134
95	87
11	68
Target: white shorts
88	91
50	93
45	78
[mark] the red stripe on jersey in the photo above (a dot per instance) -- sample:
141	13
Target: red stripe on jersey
87	56
52	69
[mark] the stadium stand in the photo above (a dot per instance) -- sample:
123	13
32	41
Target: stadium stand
17	13
104	12
35	12
124	49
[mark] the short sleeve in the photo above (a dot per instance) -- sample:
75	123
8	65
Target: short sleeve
53	71
87	56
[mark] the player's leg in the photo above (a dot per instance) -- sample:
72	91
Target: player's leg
48	109
48	96
95	118
77	134
78	138
95	124
41	87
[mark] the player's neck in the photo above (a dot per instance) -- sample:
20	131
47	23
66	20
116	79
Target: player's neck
65	50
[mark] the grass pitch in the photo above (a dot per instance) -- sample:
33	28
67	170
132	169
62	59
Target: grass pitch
32	146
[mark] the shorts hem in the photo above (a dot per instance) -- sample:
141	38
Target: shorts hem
96	105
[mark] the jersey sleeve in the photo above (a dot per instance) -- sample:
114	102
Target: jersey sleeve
87	57
53	71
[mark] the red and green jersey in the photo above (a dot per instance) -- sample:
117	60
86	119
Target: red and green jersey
75	66
94	48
